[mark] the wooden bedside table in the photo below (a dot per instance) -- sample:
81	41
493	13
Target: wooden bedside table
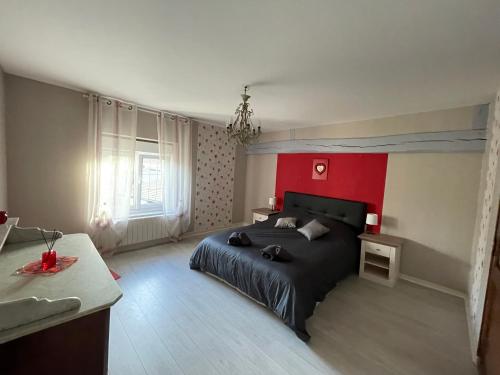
379	259
262	214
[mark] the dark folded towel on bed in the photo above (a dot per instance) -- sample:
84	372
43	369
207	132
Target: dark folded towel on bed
275	252
239	239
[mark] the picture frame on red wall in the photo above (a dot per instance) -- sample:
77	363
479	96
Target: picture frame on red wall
320	169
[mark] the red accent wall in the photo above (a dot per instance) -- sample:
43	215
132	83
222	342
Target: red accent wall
357	177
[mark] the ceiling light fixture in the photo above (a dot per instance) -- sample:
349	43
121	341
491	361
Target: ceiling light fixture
242	129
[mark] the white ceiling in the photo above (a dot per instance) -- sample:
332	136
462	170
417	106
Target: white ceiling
308	62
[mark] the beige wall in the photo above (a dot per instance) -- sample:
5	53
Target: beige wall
3	146
448	119
260	182
430	198
46	152
147	125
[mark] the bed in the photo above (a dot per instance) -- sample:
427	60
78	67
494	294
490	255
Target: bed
290	289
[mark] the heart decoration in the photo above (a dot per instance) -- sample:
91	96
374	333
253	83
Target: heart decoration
320	168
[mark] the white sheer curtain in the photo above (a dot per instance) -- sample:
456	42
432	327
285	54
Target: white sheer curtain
112	137
174	140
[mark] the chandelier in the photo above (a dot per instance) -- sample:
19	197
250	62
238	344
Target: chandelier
242	130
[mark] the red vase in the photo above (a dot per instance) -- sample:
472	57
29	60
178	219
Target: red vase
48	259
3	217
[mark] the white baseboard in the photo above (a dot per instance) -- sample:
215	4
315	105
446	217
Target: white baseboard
434	286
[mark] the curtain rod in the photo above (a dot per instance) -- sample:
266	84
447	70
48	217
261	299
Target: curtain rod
139	107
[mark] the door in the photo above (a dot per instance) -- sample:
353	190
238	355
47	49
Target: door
489	342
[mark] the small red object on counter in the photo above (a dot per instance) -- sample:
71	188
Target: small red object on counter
48	259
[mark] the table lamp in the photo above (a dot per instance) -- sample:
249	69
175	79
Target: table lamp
371	220
272	203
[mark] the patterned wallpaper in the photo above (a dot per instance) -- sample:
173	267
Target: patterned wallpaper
484	242
214	178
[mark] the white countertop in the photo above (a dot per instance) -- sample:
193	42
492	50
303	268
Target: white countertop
88	278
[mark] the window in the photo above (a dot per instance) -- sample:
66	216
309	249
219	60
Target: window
147	196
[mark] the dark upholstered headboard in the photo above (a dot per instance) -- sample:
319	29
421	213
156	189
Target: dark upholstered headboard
349	212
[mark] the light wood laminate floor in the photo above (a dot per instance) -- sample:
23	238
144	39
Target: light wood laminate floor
173	320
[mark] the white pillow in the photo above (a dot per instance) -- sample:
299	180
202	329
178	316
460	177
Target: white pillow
286	222
313	230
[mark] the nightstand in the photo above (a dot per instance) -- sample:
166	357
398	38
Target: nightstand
379	261
262	214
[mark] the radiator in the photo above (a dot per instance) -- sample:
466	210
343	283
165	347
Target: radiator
144	229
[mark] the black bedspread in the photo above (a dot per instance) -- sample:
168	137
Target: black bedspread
290	289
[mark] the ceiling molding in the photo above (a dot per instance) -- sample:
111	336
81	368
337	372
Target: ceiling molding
447	141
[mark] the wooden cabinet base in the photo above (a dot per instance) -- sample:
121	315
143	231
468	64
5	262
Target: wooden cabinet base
76	347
